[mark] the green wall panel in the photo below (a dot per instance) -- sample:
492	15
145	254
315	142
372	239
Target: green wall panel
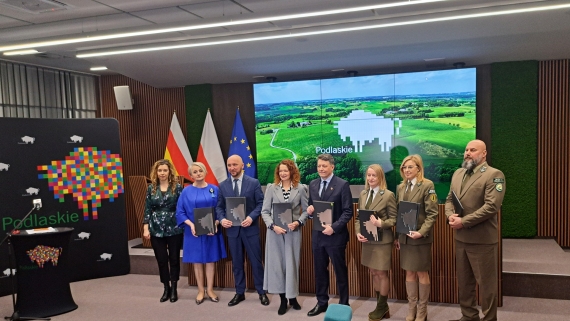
198	98
514	95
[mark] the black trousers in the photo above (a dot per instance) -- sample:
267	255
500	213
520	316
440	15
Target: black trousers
167	250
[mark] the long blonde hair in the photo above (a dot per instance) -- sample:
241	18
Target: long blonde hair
172	180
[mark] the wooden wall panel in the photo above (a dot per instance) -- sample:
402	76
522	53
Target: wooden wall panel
443	277
143	130
553	191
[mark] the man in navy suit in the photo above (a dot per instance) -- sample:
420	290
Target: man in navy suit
331	242
244	236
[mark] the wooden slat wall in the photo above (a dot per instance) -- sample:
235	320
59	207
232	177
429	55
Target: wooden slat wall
443	277
553	191
143	130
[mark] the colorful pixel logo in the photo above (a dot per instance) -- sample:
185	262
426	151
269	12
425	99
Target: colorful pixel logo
88	174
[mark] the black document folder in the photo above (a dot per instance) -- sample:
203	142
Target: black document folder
367	229
407	219
204	220
282	215
458	208
235	210
323	215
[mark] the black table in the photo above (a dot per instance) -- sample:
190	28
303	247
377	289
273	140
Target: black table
42	273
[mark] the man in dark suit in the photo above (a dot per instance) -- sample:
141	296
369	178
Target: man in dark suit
480	189
244	236
331	242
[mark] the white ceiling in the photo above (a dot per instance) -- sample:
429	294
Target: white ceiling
541	35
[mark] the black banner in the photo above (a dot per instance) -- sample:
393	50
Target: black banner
75	167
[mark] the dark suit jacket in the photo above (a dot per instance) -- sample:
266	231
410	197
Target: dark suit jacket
338	192
251	190
481	198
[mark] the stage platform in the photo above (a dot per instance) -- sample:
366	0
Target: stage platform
536	268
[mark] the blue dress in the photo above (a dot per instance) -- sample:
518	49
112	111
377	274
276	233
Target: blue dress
204	248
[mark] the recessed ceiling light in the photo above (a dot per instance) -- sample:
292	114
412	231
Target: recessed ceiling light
335	70
98	68
255	77
233	22
21	52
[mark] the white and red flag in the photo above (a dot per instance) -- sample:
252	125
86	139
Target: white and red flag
177	150
210	153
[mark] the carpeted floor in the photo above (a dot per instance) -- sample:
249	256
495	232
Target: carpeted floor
135	297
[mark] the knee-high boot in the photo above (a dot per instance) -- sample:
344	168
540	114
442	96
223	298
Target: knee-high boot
382	310
424	290
412	291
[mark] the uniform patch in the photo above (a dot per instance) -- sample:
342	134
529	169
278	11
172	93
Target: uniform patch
382	192
483	169
431	191
433	197
498	180
499	187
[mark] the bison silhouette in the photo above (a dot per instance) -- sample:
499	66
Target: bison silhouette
238	213
371	229
325	217
42	254
286	217
207	223
409	219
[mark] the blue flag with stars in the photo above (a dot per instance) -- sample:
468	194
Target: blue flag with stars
240	146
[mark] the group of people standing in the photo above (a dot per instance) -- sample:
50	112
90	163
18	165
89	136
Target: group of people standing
169	215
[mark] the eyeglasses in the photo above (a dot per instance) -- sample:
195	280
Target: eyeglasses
408	167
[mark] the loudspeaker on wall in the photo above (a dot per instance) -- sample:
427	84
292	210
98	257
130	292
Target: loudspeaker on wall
123	97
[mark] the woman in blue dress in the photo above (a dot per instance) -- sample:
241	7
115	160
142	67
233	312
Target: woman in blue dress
160	225
204	249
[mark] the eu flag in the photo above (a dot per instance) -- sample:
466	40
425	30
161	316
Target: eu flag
240	146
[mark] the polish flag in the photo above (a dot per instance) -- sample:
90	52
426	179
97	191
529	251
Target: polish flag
210	153
177	151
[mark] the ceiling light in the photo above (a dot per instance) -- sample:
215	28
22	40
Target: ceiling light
21	52
289	34
212	25
98	68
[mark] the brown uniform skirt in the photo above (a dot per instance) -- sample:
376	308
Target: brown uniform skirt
377	256
415	257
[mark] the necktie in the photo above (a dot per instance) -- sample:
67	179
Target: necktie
323	189
408	191
466	178
236	190
369	202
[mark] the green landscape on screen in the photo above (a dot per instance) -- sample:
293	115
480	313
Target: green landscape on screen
366	120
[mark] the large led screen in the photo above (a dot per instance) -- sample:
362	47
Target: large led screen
365	120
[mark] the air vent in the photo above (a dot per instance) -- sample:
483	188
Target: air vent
35	6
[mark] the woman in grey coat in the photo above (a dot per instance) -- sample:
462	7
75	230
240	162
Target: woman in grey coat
283	246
